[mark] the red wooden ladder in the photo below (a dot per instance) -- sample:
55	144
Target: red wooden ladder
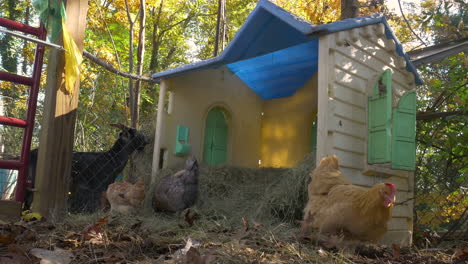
22	164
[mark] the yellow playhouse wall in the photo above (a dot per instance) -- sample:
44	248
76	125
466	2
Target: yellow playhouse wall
194	95
287	125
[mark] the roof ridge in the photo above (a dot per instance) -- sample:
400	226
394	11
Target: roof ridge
305	30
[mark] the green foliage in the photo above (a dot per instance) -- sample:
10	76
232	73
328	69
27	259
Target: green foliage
10	46
202	31
442	150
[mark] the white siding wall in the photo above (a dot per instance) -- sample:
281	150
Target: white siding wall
349	63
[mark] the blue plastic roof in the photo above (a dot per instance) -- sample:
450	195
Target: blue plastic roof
270	41
280	73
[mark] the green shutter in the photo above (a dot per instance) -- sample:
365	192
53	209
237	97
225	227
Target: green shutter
182	146
404	133
379	120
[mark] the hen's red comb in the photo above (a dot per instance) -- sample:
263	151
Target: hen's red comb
392	186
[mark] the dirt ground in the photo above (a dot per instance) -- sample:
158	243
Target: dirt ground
189	238
242	216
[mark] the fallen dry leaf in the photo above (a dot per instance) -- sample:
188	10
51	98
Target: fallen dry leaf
7	239
396	251
241	234
183	251
322	253
245	222
117	257
94	231
16	249
460	253
12	258
194	257
58	256
26	236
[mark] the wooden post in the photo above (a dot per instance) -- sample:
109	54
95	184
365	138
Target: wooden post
158	130
58	125
323	105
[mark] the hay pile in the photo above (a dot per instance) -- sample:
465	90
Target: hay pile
268	195
229	193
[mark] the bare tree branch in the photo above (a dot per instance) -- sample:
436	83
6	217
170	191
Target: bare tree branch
405	201
189	16
155	37
441	99
112	69
220	22
438	52
408	24
435	115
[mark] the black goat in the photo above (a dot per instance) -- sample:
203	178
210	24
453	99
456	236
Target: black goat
93	172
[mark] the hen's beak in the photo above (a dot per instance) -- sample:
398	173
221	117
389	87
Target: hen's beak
389	201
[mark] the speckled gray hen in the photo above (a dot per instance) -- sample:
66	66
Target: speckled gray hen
179	191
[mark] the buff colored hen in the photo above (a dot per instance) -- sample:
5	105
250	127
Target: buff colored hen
336	206
125	197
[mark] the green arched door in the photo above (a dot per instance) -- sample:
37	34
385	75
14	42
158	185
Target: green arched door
216	135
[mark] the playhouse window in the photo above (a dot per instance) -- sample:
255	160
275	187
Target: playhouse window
170	104
391	130
162	157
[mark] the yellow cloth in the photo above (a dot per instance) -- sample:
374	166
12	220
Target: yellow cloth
73	59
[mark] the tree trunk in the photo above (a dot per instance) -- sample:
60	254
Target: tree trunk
154	61
220	22
140	57
25	60
349	9
8	51
9	62
130	61
135	105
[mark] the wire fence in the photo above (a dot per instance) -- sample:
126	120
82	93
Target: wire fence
441	216
107	153
102	153
441	202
